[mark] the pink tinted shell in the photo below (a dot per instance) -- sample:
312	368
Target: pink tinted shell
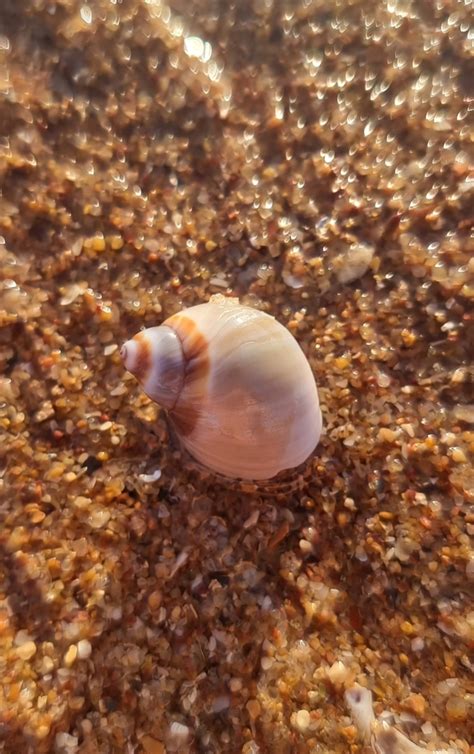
244	400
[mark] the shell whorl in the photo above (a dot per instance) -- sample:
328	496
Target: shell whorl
196	370
155	356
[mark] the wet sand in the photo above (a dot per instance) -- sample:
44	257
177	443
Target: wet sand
315	160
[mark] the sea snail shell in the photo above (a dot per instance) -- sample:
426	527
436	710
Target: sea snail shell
237	386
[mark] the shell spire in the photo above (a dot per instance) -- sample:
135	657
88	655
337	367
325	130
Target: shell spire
155	357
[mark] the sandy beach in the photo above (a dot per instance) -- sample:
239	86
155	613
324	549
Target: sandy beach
314	160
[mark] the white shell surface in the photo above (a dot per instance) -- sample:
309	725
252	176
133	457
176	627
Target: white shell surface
250	409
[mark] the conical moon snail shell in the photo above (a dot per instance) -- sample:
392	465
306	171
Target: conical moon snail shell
237	386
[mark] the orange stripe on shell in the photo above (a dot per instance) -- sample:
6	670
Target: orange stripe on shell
197	367
142	365
195	346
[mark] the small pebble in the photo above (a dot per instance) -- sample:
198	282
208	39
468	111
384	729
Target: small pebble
84	649
253	708
47	665
464	413
220	704
42	731
66	743
302	720
154	600
417	644
70	656
387	435
116	242
179	731
457	708
427	729
98	243
27	650
416	703
99	518
354	262
458	455
338	673
82	502
152	745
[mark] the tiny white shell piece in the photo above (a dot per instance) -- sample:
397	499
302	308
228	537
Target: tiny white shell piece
383	738
359	701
